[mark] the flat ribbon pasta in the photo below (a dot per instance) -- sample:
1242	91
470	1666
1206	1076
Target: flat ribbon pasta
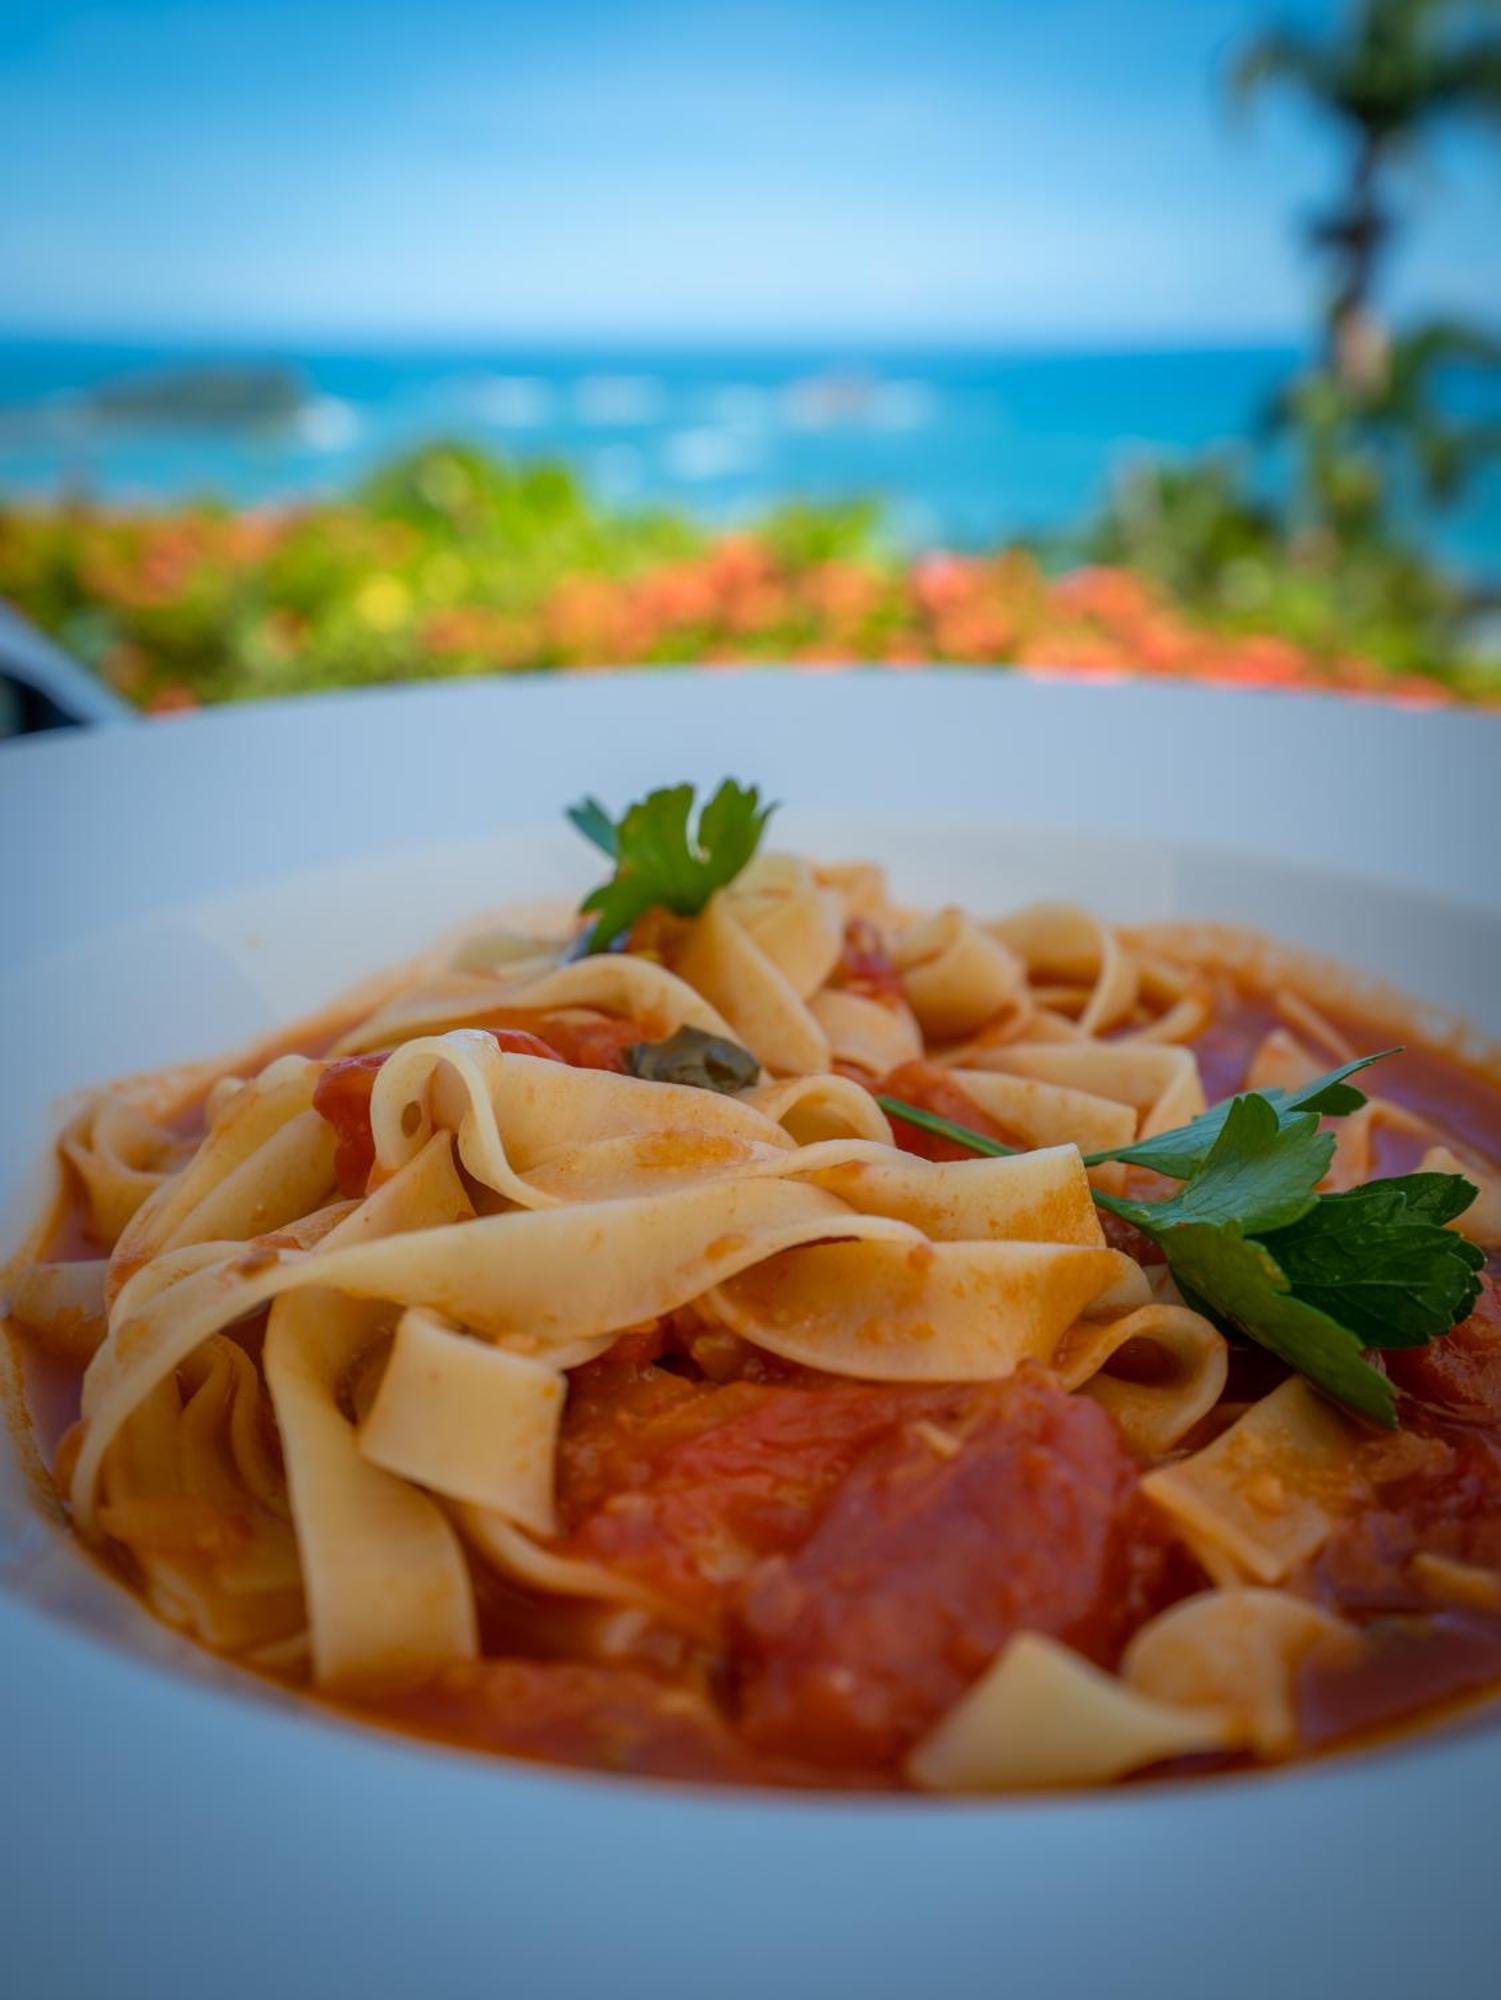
1044	1716
541	1279
722	959
1046	1114
1212	1673
267	1159
513	1554
1010	1253
797	922
192	1487
814	1108
467	1420
63	1304
957	977
1235	1652
388	1591
615	983
1186	1362
1070	945
121	1156
1159	1084
569	1134
866	1034
1269	1491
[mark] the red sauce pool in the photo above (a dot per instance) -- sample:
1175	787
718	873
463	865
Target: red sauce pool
838	1559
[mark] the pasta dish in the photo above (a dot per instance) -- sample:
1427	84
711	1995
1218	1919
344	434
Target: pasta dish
748	1330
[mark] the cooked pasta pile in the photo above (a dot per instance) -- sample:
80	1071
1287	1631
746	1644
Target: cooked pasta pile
738	1431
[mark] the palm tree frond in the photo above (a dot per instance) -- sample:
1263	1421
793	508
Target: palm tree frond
1282	56
1439	343
1466	79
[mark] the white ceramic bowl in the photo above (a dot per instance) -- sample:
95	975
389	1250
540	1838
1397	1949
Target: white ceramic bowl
171	1826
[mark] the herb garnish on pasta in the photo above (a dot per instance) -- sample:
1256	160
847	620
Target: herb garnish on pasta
1315	1278
599	1342
660	863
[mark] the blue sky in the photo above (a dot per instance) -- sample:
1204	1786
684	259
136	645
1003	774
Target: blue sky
1024	171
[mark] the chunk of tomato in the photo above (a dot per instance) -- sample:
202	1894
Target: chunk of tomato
343	1094
687	1485
1013	1509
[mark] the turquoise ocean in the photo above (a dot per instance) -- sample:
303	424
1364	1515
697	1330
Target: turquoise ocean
962	449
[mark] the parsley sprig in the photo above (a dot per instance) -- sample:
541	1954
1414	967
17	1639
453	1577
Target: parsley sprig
1316	1278
661	862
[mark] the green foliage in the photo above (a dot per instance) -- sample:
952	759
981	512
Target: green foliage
800	535
1196	527
663	864
1261	1171
1363	445
1381	1259
1186	1149
1314	1278
1329	571
1390	70
1238	1283
1365	430
450	562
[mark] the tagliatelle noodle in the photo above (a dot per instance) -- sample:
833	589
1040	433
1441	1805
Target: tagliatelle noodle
616	983
1159	1083
121	1156
956	975
467	1420
1047	1114
1187	1362
1269	1491
721	959
1044	1716
1235	1652
1063	941
864	1033
267	1159
509	1550
63	1304
415	1343
388	1590
192	1489
811	1109
798	923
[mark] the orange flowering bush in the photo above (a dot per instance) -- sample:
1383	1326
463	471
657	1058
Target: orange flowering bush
450	563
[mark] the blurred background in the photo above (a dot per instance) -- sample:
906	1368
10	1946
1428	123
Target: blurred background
345	344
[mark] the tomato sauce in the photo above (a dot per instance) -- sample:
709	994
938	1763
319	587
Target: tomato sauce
864	965
1011	1507
621	1719
827	1564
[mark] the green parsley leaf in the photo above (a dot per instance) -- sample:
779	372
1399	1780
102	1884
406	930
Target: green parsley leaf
1437	1197
1179	1152
1239	1284
1260	1173
1315	1278
596	825
1379	1258
659	862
